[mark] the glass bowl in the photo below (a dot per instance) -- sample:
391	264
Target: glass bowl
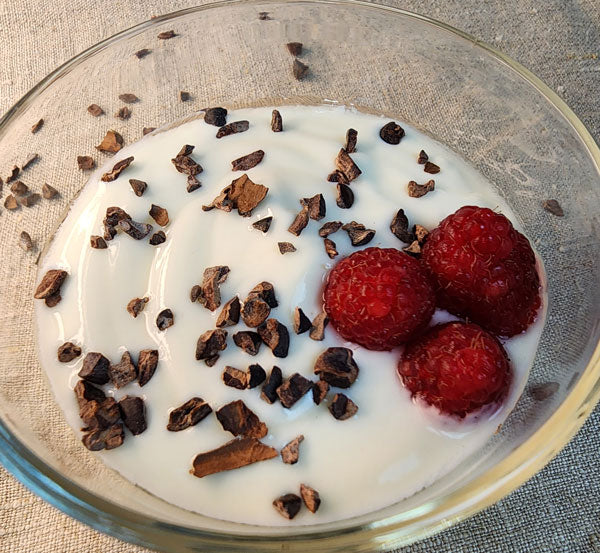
484	106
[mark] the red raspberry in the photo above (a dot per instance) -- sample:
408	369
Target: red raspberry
379	298
458	367
484	270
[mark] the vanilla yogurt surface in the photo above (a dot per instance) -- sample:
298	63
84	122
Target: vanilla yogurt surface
392	447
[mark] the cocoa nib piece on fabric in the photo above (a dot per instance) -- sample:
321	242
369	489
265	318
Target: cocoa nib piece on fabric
276	121
67	352
123	113
136	230
392	133
111	143
97	242
351	138
237	418
37	126
316	206
133	413
299	69
185	164
275	335
422	158
157	238
286	247
265	291
544	391
14	173
288	505
264	16
184	96
188	414
19	188
235	454
552	206
48	191
330	228
95	368
99	414
118	168
136	306
290	452
263	224
301	322
50	284
269	390
242	194
123	372
31	159
230	314
235	378
431	168
209	294
138	186
166	35
337	367
140	54
255	311
320	390
147	363
86	163
293	389
248	341
419	190
330	248
159	214
342	407
317	330
345	165
294	48
165	319
11	202
345	196
30	200
147	130
359	235
399	227
310	497
109	438
233	128
247	162
257	375
128	98
210	344
25	241
215	116
299	223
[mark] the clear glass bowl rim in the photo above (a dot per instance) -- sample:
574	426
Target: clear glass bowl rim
407	527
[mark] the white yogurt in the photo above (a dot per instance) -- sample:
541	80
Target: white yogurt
393	447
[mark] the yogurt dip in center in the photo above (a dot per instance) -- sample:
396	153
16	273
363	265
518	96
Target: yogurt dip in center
392	447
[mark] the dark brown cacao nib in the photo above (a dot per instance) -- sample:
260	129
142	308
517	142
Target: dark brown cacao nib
188	414
337	367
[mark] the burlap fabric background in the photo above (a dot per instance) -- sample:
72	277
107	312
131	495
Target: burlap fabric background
560	42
